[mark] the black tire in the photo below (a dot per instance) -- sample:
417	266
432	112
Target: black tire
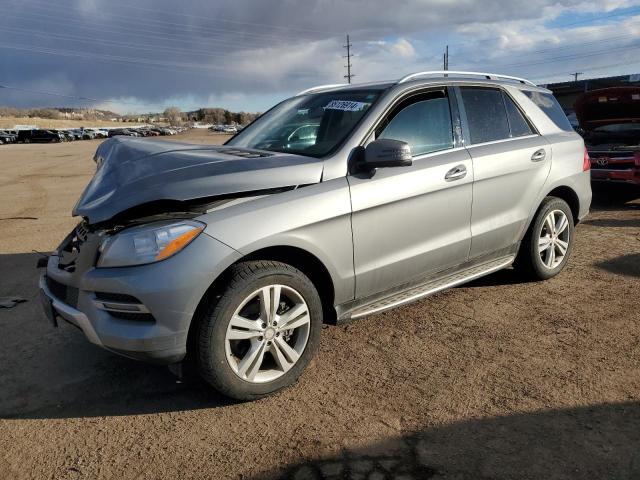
529	261
245	278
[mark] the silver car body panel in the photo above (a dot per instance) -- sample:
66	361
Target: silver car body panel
133	172
408	221
385	237
316	219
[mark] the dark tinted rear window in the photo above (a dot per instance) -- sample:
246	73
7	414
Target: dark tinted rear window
549	105
486	114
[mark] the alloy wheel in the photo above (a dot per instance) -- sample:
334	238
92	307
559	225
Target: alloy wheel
554	239
267	333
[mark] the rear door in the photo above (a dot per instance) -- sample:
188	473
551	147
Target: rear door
410	221
511	162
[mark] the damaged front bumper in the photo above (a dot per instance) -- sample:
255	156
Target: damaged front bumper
142	312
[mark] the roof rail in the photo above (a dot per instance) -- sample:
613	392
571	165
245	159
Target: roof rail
444	73
320	87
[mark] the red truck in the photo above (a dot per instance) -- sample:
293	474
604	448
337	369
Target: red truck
610	120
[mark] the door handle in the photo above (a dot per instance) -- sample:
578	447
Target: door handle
456	173
539	155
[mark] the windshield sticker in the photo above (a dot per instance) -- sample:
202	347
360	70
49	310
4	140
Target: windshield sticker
303	111
346	106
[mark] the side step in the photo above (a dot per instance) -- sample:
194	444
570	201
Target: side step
433	286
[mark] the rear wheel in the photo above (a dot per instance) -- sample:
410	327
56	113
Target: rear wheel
261	332
547	245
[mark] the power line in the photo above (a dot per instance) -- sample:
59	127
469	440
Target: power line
544	80
575	75
113	43
173	14
73	97
567	57
558	26
154	23
348	66
136	31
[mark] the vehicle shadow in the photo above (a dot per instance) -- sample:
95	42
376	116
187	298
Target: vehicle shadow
613	196
55	373
613	222
601	441
628	265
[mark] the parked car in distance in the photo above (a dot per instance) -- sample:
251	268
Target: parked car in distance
68	135
122	132
97	132
230	258
40	136
230	129
6	137
87	134
610	123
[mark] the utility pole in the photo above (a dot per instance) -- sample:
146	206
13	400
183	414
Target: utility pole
445	58
348	46
575	75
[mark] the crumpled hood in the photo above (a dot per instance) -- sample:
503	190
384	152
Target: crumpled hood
132	172
608	106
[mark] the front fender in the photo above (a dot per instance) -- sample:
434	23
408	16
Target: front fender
315	218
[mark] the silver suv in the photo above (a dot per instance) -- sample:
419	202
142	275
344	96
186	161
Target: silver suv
340	202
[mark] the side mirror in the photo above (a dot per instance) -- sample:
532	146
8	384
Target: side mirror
386	152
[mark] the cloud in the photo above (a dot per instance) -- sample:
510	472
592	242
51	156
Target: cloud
150	54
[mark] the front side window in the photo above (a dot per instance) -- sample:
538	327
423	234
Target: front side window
313	124
424	122
486	114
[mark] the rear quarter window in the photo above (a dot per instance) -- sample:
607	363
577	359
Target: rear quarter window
549	105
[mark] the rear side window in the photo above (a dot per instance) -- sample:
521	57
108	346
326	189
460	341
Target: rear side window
519	125
424	122
549	105
486	114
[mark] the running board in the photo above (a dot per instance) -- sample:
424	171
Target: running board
429	288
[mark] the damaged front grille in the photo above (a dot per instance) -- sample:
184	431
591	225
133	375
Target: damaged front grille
64	293
68	253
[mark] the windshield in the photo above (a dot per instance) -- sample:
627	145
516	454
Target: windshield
312	125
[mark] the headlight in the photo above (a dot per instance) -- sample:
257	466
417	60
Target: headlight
148	243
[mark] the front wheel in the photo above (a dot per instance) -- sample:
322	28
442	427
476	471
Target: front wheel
262	332
547	245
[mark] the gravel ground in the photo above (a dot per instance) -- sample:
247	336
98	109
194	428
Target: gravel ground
497	379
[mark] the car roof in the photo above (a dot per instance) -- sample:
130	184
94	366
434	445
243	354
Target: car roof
434	78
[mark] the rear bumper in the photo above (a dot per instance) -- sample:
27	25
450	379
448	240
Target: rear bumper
170	291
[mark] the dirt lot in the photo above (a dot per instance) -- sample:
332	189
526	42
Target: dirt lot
498	379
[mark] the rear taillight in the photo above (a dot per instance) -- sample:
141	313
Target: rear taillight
586	162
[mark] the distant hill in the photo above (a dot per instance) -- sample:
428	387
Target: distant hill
204	115
220	116
59	113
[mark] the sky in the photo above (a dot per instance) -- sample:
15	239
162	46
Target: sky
133	56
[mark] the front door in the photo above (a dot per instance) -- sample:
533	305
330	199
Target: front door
411	221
